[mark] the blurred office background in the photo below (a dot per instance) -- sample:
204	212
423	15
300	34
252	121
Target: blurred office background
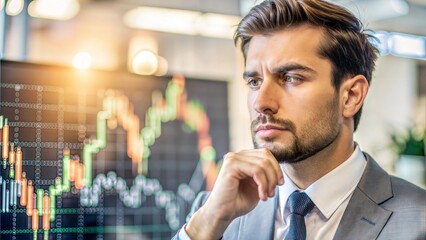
193	38
197	42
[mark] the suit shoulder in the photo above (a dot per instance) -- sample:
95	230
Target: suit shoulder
408	219
406	191
402	186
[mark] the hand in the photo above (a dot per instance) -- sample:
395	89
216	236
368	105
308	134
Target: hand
245	178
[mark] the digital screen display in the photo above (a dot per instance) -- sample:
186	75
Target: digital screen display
105	155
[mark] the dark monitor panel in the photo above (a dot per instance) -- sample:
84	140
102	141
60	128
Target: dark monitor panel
104	155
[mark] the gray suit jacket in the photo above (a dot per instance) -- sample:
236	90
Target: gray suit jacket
381	207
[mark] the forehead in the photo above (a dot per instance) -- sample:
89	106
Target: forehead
295	44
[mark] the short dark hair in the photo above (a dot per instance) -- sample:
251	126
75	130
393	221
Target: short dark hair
346	44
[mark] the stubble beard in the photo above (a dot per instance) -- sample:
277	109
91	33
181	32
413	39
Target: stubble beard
311	139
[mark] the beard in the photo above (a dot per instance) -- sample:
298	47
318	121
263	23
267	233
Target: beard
321	132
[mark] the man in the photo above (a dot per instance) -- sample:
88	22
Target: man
308	65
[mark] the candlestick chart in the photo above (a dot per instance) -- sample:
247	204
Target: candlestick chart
102	155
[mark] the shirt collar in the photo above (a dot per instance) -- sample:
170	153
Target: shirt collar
332	189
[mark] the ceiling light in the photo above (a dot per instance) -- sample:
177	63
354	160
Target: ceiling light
163	66
144	63
14	7
407	45
382	44
82	60
401	45
161	19
182	22
54	9
217	25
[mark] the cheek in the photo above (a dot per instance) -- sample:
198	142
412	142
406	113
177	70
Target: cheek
309	106
325	110
250	105
302	104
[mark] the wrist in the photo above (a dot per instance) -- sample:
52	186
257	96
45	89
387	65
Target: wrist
204	225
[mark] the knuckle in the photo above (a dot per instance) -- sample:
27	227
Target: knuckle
228	155
257	170
265	151
229	158
264	163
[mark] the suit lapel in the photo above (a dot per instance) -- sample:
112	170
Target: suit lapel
259	223
364	215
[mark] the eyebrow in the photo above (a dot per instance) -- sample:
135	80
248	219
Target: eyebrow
248	74
282	69
291	67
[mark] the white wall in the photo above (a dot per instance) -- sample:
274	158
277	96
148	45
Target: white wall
239	119
390	106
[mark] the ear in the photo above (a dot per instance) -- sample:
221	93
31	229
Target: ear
353	92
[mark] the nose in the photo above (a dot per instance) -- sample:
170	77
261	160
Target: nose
267	98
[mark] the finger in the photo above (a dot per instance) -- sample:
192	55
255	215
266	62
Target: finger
271	175
265	159
240	168
277	168
278	174
259	177
246	169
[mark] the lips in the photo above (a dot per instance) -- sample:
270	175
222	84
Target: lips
269	127
268	131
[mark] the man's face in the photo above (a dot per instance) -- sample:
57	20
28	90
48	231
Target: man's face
293	104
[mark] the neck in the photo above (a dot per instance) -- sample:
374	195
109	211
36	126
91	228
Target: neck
307	171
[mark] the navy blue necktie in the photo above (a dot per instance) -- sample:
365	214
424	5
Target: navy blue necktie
300	205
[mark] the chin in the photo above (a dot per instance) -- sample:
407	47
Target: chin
286	153
280	151
285	159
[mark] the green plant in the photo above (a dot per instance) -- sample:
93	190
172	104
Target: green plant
412	142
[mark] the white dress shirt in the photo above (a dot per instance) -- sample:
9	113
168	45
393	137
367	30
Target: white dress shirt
330	193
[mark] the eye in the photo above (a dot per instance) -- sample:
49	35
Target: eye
254	83
291	79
